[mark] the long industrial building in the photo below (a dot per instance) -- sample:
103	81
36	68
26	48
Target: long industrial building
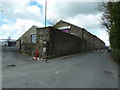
59	40
93	42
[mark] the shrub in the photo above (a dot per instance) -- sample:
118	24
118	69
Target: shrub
116	55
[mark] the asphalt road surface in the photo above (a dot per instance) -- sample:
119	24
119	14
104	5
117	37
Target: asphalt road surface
86	70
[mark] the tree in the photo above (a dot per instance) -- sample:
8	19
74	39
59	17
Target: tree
105	19
114	11
52	21
111	21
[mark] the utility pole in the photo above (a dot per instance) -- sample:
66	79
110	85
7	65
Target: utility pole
1	22
45	12
1	16
1	10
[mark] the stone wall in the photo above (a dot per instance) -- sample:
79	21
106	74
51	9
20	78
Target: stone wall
62	44
28	48
26	37
59	43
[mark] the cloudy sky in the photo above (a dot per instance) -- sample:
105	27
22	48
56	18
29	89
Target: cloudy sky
17	16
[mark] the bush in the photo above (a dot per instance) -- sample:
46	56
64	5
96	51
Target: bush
116	55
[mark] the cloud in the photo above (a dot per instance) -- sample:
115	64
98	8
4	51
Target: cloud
89	21
16	29
62	9
103	35
18	17
69	9
22	10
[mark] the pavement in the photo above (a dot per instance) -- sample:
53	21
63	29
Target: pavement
85	70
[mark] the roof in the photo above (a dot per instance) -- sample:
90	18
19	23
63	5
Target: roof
27	31
61	21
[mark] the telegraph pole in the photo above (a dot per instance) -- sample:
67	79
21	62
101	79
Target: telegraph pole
1	10
45	12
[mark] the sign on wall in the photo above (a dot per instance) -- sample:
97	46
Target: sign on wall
44	49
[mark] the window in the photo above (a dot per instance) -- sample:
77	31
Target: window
33	38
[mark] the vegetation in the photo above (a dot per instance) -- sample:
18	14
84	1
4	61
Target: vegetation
52	21
111	20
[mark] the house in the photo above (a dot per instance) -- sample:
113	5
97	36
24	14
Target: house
59	40
28	38
51	42
93	42
6	42
3	43
11	43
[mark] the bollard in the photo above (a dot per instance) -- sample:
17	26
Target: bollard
106	51
98	51
36	54
102	51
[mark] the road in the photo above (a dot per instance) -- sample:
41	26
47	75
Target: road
86	70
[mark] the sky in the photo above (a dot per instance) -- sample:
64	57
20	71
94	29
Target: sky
17	16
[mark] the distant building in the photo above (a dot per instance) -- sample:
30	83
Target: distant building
8	42
12	43
59	40
3	43
93	42
28	37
